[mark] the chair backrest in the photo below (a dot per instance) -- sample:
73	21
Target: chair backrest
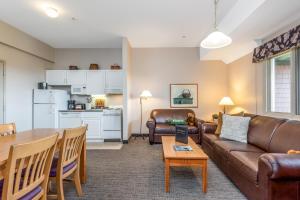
162	115
28	168
71	146
7	129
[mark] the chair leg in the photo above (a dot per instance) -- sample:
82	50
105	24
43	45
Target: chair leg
77	182
60	189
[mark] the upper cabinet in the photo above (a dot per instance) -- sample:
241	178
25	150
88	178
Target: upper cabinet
76	77
114	81
56	77
95	81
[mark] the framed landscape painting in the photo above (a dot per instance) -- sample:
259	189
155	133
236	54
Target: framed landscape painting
184	95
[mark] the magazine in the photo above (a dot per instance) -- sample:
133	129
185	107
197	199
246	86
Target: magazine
183	148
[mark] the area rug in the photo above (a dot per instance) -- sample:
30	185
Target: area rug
136	172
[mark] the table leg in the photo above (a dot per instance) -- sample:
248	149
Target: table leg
167	175
204	177
83	171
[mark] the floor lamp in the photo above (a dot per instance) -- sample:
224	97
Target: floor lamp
144	96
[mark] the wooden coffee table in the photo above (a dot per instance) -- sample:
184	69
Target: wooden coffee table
172	158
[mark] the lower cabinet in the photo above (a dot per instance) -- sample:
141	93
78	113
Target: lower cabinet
91	119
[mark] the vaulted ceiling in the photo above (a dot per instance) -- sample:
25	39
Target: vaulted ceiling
150	23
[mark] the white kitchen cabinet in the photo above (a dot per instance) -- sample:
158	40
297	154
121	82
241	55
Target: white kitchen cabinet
114	81
76	77
69	120
95	82
76	119
56	77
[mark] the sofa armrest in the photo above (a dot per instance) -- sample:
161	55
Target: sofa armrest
279	166
151	123
198	123
209	127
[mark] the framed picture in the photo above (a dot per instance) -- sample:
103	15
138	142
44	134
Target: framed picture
184	95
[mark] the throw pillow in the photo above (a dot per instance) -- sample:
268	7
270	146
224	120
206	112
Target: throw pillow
176	122
235	128
220	121
190	119
293	152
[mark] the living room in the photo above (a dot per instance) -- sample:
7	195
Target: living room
174	99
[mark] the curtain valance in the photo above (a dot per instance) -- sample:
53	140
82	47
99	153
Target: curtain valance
277	45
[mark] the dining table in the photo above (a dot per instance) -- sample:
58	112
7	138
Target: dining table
32	135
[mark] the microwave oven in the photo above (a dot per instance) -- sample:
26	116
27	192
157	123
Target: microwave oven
78	89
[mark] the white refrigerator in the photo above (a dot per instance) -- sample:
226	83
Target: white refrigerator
46	105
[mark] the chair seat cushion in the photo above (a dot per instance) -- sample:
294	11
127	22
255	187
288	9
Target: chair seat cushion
170	129
66	168
27	196
165	128
246	163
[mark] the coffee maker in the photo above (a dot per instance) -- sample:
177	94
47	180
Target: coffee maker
71	104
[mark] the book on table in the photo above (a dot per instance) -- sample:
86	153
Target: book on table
182	148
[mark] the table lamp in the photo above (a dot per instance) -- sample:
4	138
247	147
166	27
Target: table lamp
144	96
226	101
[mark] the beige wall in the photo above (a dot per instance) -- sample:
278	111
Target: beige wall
82	58
155	68
23	72
20	40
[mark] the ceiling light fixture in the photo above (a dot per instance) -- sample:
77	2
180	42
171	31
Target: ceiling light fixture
216	39
51	12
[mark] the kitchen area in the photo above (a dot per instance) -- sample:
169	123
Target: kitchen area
76	95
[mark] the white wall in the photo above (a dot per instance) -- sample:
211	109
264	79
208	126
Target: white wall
105	57
23	72
20	40
156	68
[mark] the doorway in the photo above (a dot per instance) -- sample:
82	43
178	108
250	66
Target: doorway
2	92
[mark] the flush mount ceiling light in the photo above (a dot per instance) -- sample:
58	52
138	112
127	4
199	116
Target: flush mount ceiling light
216	39
51	12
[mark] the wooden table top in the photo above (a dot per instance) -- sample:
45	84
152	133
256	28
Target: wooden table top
23	137
168	143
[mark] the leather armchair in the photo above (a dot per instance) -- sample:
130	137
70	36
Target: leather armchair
158	127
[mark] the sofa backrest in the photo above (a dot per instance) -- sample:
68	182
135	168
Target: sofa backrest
162	115
261	129
286	137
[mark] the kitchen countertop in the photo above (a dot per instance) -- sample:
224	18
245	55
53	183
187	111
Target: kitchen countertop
92	110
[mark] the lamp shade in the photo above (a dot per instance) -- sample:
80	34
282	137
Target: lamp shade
226	101
216	40
146	94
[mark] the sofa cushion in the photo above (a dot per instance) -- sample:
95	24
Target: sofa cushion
229	145
286	137
246	163
261	129
235	128
165	128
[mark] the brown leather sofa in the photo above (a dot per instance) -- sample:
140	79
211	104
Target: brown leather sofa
261	169
158	127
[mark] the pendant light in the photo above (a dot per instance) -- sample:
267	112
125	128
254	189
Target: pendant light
216	39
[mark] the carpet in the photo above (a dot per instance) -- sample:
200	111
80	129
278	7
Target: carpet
136	172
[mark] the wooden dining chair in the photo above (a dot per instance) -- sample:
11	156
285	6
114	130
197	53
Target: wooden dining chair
27	169
7	129
68	161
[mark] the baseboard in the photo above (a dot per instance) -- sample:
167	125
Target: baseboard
112	140
125	141
139	135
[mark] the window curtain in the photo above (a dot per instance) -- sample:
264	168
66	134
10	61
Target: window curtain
277	45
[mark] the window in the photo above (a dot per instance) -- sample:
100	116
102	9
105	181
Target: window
280	83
